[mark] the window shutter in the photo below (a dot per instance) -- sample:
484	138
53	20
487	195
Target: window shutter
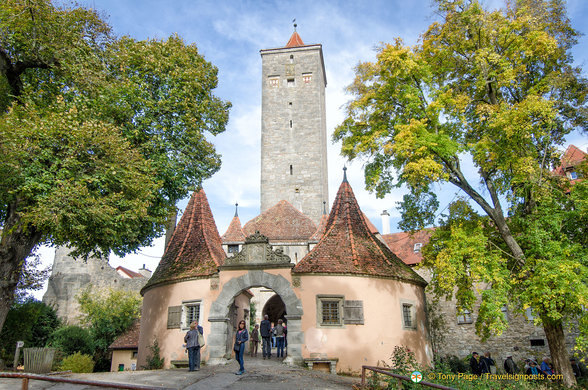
353	312
174	317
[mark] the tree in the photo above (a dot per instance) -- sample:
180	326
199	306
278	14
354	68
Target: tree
30	321
108	314
99	136
496	90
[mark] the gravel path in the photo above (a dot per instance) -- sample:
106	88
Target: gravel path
259	375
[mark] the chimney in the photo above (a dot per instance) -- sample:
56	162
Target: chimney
385	222
145	272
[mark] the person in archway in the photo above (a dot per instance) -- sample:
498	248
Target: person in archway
254	340
280	333
193	346
265	329
241	339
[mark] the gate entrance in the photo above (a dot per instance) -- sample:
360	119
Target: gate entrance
265	268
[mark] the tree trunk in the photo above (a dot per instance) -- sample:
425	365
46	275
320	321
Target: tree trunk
16	244
559	354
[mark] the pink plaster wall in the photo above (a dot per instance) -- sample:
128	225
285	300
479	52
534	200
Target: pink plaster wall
357	345
154	318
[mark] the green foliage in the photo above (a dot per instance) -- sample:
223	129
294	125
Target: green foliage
100	135
78	363
252	314
495	89
32	322
71	339
154	361
108	314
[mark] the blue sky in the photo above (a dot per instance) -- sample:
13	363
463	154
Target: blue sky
230	34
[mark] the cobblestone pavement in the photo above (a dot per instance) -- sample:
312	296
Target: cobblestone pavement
259	375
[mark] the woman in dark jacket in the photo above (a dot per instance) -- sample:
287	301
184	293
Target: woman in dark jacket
241	339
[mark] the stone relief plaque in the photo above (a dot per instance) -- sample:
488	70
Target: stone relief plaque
258	252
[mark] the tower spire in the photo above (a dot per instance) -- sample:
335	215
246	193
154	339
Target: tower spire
236	207
344	174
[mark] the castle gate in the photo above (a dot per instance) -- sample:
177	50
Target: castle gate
265	268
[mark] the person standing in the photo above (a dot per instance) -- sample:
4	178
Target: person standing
280	333
241	338
489	363
193	346
475	364
254	340
510	366
265	330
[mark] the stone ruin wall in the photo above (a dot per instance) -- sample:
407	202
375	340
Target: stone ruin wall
69	277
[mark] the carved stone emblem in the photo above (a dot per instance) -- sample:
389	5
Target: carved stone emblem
258	252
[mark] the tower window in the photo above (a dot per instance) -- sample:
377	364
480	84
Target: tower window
297	190
290	123
274	81
290	82
290	104
291	58
307	77
291	170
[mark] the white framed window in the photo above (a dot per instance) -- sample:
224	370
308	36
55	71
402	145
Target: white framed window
190	313
330	310
233	248
464	317
504	310
274	81
307	77
529	314
417	247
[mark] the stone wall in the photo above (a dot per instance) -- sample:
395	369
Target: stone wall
69	277
460	339
293	129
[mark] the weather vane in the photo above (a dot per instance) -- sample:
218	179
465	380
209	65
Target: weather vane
295	25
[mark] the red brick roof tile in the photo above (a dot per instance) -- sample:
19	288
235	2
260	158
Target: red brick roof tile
295	40
321	228
195	248
235	232
129	339
349	247
281	222
403	245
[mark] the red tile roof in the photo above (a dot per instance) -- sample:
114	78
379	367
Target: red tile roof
572	157
129	339
234	233
195	248
402	244
321	228
281	222
130	274
295	40
349	247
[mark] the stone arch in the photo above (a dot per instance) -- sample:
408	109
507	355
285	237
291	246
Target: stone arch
219	314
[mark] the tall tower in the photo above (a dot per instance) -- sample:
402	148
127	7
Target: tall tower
293	127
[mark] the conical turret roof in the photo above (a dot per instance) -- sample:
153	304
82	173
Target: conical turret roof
235	232
195	248
349	247
295	40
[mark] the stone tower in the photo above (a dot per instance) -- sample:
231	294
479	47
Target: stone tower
293	128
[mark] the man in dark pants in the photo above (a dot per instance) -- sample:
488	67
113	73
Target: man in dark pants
265	331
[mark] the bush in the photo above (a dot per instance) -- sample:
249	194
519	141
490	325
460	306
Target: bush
78	363
154	361
30	321
72	339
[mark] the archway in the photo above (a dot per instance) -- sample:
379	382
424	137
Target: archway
275	309
219	314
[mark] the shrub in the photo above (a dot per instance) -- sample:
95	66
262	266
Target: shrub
78	363
154	361
72	339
